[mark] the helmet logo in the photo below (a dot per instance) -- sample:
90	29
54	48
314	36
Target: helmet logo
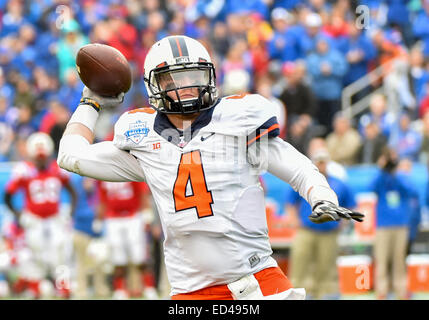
182	60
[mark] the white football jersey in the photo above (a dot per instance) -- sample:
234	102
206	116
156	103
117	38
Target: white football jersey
208	195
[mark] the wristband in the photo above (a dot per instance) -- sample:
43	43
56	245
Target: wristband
85	114
90	102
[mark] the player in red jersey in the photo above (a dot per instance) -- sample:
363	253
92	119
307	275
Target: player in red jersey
41	180
121	205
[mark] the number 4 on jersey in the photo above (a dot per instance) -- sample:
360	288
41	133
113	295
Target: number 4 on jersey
191	172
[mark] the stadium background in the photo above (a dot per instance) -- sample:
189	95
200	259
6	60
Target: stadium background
39	86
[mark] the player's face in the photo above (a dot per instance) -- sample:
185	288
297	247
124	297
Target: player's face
41	160
189	80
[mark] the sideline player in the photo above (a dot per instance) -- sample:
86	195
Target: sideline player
121	206
44	229
201	156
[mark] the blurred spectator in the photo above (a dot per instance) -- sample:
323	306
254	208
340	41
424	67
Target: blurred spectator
334	168
91	13
24	94
263	87
418	73
405	167
398	17
398	87
219	38
24	125
379	114
297	96
373	142
315	247
71	90
259	32
69	44
394	191
236	82
359	51
156	24
308	32
179	25
424	149
45	86
6	90
387	50
123	36
237	62
6	140
83	220
424	105
13	18
421	26
146	40
300	131
284	45
405	139
336	25
327	67
6	133
344	142
55	121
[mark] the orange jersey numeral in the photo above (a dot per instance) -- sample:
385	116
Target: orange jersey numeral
191	171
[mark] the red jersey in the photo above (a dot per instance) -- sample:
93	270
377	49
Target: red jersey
42	189
121	199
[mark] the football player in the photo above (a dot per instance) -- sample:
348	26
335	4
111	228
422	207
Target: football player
121	205
201	156
41	180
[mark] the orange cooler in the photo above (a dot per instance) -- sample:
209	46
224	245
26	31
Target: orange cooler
355	274
366	203
418	272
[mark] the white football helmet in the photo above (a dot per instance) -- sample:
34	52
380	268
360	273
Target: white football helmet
39	144
176	63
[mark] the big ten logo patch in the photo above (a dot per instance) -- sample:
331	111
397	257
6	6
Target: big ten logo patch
157	146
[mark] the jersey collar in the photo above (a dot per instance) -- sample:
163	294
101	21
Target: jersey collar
169	132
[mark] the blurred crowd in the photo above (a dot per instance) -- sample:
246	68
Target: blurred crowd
299	54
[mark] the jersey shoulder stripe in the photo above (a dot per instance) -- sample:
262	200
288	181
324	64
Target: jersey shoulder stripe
246	115
269	127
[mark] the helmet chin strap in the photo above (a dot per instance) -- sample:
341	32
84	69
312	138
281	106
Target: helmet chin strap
203	101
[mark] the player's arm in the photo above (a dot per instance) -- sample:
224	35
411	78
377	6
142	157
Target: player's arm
288	164
73	196
102	161
8	201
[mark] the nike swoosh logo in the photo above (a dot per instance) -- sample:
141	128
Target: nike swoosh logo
205	138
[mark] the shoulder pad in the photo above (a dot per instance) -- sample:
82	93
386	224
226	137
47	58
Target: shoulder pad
22	170
247	115
132	127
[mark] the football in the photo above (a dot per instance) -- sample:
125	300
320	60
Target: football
103	69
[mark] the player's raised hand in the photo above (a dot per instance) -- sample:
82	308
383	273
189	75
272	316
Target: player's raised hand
89	96
325	211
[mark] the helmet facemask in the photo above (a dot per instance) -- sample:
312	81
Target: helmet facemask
183	89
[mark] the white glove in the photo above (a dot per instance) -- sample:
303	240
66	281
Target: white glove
104	102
